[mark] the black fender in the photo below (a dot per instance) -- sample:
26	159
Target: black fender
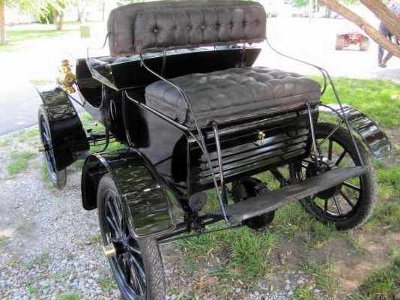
144	194
68	136
370	133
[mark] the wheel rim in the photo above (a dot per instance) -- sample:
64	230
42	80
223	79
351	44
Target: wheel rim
45	136
340	202
127	264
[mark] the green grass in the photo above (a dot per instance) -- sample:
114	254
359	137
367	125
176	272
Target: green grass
20	35
18	162
69	296
324	276
377	98
303	293
107	284
382	285
242	254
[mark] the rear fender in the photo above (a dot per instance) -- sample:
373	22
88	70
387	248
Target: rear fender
366	128
143	194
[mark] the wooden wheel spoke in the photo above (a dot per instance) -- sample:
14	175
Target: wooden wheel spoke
337	204
351	186
347	199
330	149
113	226
339	160
326	205
134	250
137	272
115	215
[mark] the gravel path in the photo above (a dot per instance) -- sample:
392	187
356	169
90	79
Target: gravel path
49	244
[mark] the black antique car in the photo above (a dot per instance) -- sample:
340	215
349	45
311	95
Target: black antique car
180	94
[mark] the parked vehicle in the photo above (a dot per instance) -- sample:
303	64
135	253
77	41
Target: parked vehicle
344	40
180	93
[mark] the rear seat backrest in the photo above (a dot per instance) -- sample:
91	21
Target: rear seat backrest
180	24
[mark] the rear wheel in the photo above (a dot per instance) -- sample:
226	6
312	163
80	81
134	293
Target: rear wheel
136	263
349	204
247	188
57	177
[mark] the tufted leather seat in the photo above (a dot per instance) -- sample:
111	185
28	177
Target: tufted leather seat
232	95
164	24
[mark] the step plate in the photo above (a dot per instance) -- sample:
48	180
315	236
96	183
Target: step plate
270	201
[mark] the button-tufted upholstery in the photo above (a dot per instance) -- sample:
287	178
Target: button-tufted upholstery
232	94
165	24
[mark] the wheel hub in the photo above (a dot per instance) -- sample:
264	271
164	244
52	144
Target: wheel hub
324	166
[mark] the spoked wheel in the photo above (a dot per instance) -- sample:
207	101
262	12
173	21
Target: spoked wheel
251	187
349	204
57	177
136	263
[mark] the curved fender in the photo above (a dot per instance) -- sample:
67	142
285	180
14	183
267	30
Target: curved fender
68	136
372	136
144	195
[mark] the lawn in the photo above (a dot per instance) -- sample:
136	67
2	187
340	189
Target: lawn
21	34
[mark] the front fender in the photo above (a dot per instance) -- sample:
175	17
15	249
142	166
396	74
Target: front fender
68	136
143	194
370	133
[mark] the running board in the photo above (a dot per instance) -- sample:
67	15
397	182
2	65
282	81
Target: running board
270	201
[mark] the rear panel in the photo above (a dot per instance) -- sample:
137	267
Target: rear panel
246	152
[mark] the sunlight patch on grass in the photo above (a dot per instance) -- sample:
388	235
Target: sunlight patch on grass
18	162
376	98
17	36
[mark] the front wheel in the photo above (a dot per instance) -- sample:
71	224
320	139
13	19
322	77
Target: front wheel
57	177
349	204
136	263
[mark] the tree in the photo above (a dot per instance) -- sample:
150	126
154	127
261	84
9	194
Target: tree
384	14
2	22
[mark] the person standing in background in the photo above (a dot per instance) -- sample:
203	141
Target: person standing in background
382	58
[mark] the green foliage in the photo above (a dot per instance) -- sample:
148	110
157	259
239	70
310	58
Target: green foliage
300	3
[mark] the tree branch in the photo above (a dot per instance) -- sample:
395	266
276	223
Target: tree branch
383	13
364	25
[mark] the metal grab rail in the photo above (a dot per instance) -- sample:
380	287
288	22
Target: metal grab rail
327	79
200	139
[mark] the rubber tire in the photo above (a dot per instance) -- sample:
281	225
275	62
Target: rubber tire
58	177
367	199
153	266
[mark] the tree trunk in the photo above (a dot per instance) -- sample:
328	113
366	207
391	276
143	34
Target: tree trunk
2	23
364	25
383	13
60	21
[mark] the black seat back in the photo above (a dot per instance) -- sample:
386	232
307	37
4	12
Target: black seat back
181	24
